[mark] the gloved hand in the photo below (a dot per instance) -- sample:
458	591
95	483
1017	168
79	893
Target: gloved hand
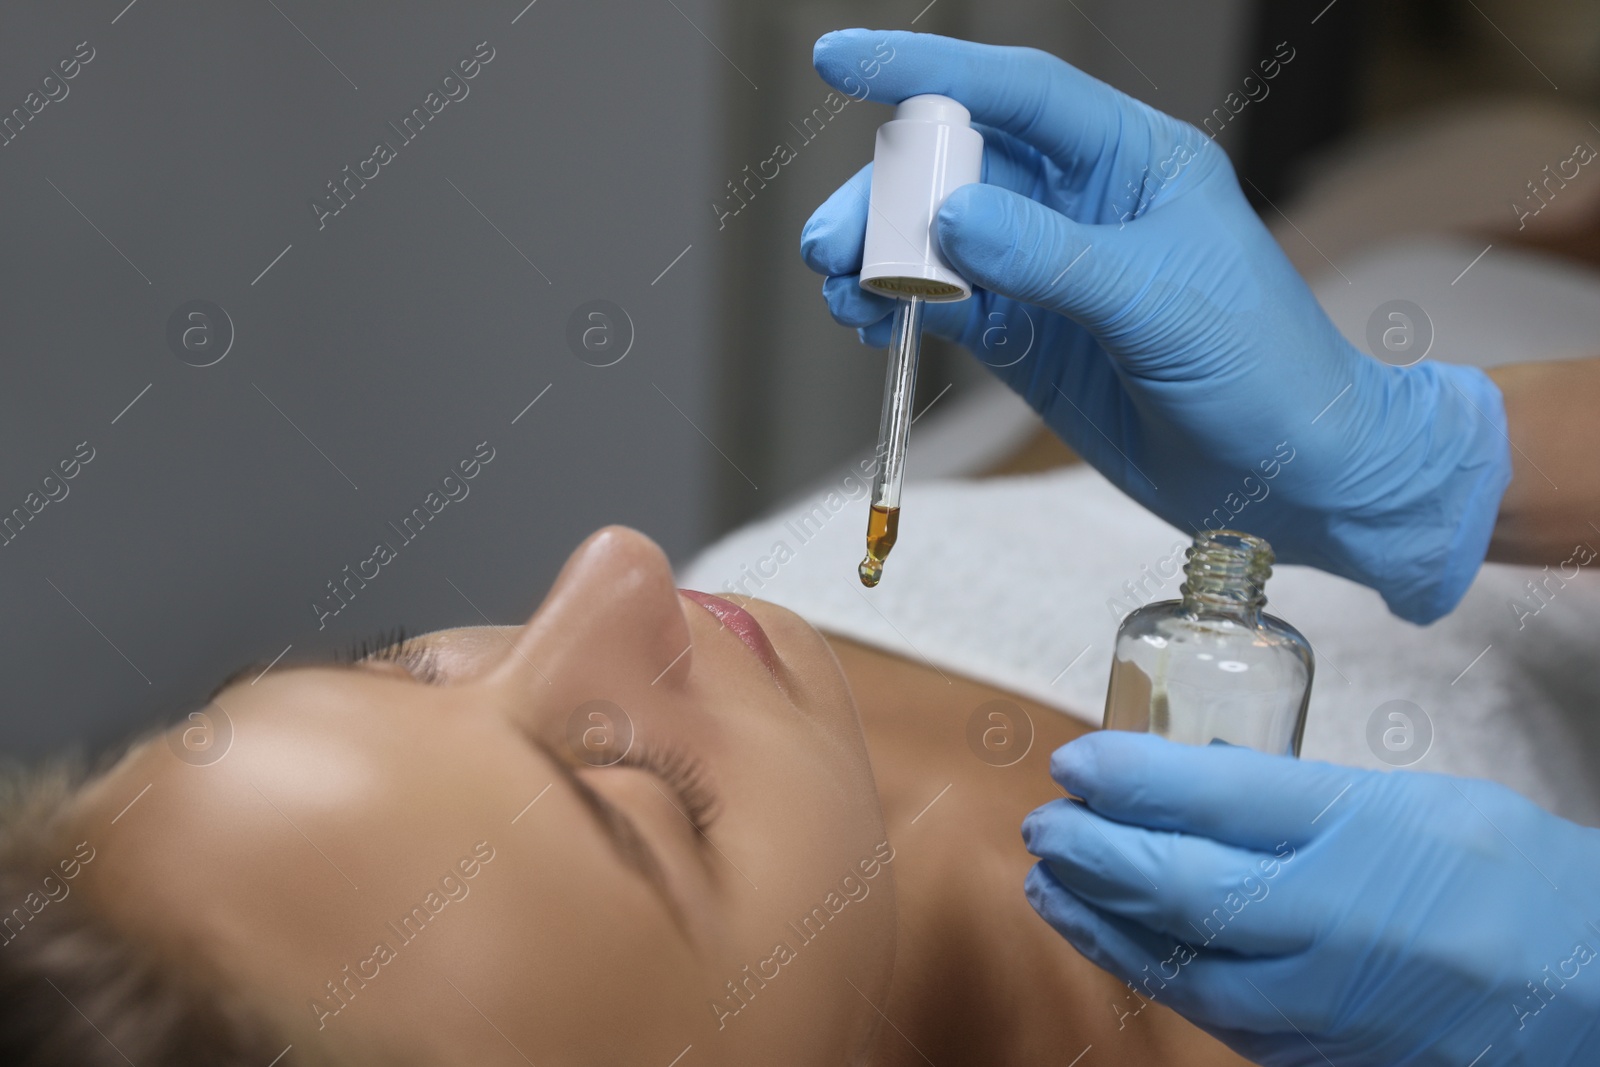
1305	913
1131	295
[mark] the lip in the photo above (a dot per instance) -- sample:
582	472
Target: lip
743	625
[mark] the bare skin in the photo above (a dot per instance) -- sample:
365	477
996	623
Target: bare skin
1553	503
1550	514
978	979
351	797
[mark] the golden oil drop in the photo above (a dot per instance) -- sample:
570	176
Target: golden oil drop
883	525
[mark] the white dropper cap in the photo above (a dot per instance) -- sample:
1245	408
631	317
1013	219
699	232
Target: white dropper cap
928	149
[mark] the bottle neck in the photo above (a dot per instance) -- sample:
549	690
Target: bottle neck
1226	574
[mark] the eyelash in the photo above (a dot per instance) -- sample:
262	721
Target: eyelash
684	773
396	646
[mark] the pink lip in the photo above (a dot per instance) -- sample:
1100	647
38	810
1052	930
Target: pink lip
742	623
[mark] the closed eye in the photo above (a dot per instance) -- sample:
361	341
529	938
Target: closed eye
618	828
686	775
419	661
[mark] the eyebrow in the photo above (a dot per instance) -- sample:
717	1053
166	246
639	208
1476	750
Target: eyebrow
259	667
623	834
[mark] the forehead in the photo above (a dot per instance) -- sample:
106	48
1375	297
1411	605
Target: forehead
288	858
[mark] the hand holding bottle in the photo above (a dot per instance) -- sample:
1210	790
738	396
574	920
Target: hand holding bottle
1131	295
1306	913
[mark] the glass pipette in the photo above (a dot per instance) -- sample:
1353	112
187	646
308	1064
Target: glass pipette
920	155
894	431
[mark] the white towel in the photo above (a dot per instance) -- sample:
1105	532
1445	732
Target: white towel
1008	581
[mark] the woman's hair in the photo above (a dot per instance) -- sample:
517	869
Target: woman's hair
74	992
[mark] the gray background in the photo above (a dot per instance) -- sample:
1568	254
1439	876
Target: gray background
395	339
377	352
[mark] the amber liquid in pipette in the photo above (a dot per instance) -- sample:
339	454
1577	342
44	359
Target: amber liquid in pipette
883	525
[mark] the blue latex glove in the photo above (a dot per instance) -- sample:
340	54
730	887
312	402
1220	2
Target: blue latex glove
1131	295
1305	913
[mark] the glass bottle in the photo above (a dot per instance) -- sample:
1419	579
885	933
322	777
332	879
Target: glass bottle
1213	665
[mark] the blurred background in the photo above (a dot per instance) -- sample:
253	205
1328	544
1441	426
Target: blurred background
277	345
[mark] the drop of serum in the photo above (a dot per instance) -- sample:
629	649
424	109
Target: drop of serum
883	526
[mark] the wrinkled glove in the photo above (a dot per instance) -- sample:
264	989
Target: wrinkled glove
1305	913
1131	295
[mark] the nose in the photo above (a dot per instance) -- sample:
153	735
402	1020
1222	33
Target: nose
611	621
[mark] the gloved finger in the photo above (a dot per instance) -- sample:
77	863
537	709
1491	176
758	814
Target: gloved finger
1064	113
1250	1015
1206	893
951	319
851	305
832	238
1015	246
1195	981
947	319
1235	795
1108	941
1009	162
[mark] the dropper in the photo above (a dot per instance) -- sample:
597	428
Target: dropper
928	149
894	432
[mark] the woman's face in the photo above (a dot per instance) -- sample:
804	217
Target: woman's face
641	822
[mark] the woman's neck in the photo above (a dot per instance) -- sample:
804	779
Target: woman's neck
979	978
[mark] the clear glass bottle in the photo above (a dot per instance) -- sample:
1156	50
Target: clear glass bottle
1213	665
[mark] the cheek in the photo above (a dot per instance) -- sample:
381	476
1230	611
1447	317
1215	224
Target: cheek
789	989
799	805
803	821
566	955
814	922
